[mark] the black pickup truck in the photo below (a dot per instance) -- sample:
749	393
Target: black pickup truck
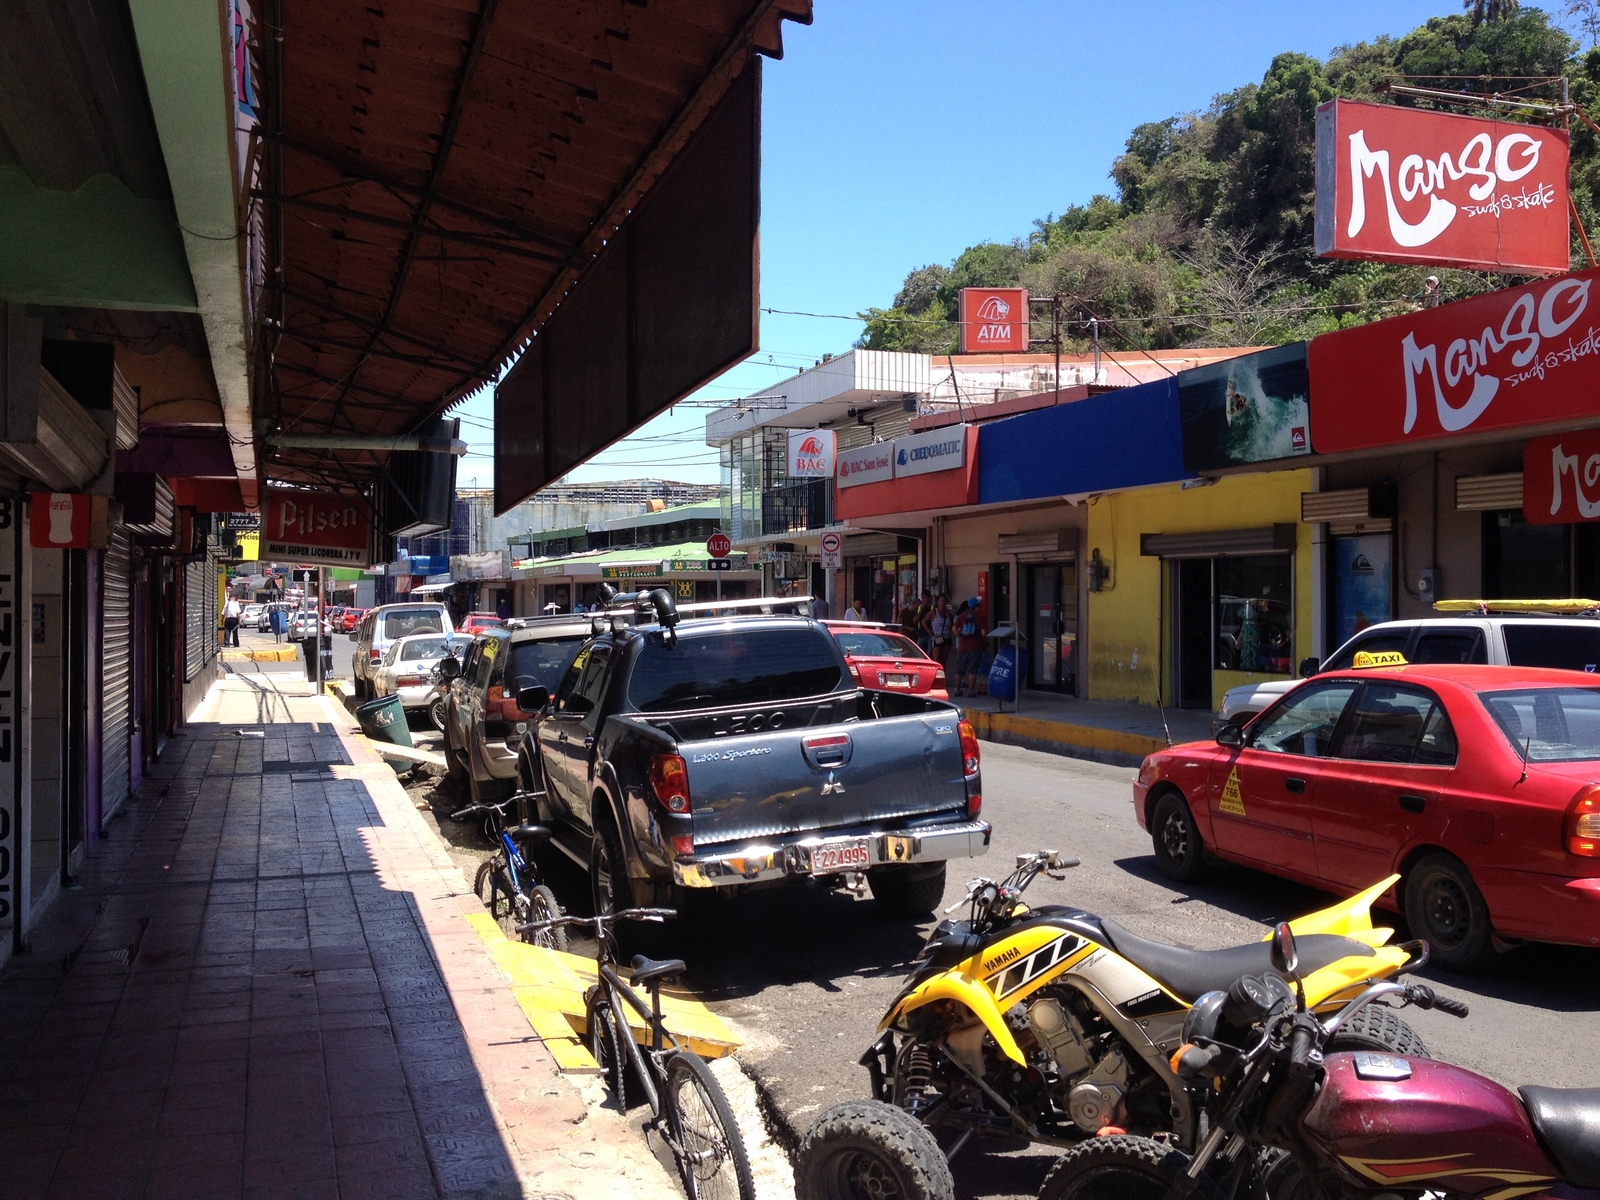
711	753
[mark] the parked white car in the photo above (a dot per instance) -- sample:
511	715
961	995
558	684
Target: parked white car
1566	642
407	668
253	616
385	625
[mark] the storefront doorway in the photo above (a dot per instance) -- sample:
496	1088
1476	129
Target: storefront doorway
1053	627
1230	614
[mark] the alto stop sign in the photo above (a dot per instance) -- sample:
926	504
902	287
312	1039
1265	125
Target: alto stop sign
718	545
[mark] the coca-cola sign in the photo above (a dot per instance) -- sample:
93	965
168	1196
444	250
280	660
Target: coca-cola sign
1510	359
1561	478
1415	186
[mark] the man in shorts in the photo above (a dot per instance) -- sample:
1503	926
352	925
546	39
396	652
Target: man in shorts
969	648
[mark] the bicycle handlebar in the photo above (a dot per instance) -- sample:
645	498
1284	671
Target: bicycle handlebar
472	810
599	920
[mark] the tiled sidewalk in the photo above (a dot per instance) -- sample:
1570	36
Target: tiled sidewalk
265	986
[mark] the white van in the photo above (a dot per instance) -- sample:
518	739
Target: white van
382	627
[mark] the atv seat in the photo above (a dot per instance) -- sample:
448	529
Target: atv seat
1188	974
646	969
1567	1121
530	835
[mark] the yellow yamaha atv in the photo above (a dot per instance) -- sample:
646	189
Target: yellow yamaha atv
1053	1024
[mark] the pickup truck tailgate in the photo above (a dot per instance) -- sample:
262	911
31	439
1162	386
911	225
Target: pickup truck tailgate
828	776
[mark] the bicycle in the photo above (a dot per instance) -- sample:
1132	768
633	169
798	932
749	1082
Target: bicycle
508	884
691	1111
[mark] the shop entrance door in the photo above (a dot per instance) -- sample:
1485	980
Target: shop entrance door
1192	631
1053	627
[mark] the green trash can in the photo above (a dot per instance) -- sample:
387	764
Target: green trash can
384	720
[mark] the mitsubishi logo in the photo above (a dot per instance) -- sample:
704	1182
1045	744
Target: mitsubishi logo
832	787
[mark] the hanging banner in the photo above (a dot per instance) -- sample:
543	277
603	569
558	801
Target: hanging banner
994	320
1561	478
811	453
1249	409
1411	185
315	527
1509	359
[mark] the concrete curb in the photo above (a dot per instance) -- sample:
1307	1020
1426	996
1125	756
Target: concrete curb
277	654
1114	746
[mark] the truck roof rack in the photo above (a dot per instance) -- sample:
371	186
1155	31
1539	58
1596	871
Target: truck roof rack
658	604
1534	607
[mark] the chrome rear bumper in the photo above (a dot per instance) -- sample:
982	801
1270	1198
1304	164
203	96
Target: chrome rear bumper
778	859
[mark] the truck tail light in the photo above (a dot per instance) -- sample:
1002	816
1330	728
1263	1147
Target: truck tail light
969	749
974	804
1583	822
669	779
374	655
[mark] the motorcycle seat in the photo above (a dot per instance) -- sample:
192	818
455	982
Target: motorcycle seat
1188	974
646	969
1567	1121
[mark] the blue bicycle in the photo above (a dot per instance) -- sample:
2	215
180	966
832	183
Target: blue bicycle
508	883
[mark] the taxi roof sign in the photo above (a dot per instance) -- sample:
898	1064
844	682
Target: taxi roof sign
1365	659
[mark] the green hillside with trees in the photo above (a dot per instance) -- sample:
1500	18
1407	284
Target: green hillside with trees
1208	237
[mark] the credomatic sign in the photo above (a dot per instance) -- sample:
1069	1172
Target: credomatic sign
1509	359
936	450
1561	478
1412	185
318	527
994	320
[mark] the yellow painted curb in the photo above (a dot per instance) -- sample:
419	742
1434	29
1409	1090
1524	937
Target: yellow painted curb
550	986
1086	737
277	654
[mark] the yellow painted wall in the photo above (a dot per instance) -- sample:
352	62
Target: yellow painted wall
1125	620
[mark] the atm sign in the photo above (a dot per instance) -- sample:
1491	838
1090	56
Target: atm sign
994	320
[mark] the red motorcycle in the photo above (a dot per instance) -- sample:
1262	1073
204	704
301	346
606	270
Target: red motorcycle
1289	1123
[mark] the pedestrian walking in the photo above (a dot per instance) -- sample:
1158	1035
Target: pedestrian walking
940	623
230	621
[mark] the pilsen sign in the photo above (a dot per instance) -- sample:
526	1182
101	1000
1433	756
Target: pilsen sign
1411	185
1561	478
315	527
1509	359
994	320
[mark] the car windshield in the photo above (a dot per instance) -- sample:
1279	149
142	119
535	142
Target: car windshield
877	645
753	666
544	663
406	622
423	648
1556	724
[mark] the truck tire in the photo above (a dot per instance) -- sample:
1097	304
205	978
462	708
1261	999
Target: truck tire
608	869
868	1148
912	891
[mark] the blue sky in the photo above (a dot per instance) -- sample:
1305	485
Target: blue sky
896	134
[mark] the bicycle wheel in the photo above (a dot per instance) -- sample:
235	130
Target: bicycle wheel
604	1040
493	887
543	906
710	1151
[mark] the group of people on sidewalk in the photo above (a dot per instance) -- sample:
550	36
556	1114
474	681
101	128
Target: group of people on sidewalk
951	637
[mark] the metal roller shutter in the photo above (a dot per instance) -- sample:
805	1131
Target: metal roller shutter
116	679
195	616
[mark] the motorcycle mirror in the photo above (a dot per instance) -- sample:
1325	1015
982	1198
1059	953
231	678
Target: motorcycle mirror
450	667
1285	957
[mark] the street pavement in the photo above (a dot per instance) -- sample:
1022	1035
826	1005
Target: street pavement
805	974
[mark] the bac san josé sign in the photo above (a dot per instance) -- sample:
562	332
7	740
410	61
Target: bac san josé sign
315	527
1416	186
994	320
1506	359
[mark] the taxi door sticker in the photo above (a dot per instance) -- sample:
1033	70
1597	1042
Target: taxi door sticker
1232	801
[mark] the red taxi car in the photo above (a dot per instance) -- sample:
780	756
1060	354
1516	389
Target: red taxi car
1478	785
477	622
352	618
880	658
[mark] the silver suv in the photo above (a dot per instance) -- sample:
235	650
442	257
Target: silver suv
382	627
1569	643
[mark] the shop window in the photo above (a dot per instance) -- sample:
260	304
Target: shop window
1254	613
1522	561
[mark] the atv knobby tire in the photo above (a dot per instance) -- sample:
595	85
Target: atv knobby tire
1116	1168
1379	1029
867	1148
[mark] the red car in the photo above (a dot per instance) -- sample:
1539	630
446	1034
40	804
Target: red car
1478	785
476	623
880	658
350	619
